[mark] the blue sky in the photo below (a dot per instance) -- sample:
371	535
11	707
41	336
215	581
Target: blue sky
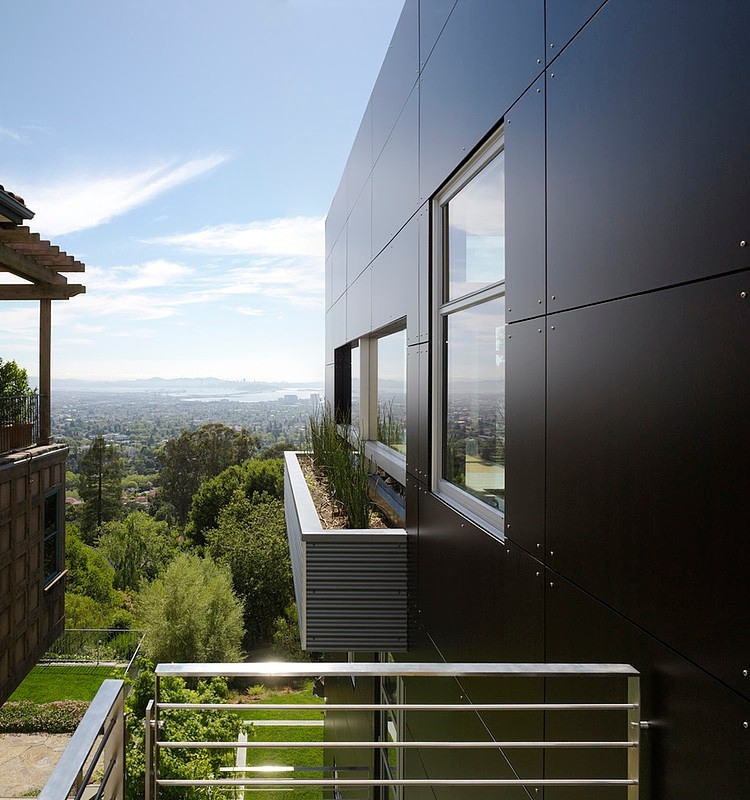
187	152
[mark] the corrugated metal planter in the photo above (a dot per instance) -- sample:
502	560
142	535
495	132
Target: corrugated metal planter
350	585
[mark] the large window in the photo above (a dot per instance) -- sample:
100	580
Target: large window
469	279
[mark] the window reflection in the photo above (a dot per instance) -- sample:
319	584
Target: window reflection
392	391
476	231
355	361
474	409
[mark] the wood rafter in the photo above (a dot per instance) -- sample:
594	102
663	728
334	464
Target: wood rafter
40	291
25	242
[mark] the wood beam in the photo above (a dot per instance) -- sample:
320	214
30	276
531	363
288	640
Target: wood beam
36	291
25	267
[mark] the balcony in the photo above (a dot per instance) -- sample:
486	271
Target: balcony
19	422
462	730
350	585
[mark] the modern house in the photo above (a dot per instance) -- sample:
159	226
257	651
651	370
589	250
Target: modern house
538	262
32	467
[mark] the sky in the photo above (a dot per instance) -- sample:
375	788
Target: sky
187	152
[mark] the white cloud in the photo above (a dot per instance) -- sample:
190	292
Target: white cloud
77	202
290	236
150	275
250	312
7	133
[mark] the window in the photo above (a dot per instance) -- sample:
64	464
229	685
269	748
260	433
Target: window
391	370
469	280
53	556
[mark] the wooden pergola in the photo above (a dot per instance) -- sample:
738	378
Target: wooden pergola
40	264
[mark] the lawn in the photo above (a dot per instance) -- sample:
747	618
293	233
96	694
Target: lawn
303	760
45	684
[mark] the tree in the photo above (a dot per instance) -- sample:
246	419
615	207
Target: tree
210	725
251	478
251	540
191	613
88	572
194	456
100	486
138	548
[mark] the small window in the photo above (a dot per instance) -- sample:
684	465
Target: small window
53	556
469	392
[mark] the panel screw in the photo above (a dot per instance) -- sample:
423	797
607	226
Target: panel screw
552	583
538	91
743	295
539	302
744	673
538	330
552	327
552	74
551	44
539	61
554	297
746	725
538	574
743	243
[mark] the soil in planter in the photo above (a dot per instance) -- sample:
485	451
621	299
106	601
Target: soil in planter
331	516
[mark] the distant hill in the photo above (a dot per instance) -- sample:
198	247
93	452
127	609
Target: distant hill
169	384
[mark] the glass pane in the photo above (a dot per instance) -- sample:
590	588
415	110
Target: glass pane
476	232
474	422
355	386
51	567
392	391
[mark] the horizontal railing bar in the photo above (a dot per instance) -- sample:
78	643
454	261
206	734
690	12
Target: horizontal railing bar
404	706
357	782
396	745
395	669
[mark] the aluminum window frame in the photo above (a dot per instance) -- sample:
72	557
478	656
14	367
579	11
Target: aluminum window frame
489	519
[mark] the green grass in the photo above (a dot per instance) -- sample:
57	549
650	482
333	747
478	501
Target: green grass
45	684
293	757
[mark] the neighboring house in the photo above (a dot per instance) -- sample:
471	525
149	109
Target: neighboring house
538	259
32	467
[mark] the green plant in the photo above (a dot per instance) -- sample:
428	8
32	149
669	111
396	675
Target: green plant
61	716
343	464
14	393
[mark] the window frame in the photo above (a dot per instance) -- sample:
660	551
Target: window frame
488	518
51	578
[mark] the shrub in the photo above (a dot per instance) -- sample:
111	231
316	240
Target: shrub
61	716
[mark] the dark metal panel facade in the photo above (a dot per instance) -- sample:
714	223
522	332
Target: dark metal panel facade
433	14
524	210
696	745
397	76
395	188
477	595
659	204
358	306
525	353
564	19
486	56
395	279
359	163
647	468
337	270
359	235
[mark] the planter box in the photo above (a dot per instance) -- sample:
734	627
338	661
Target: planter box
350	585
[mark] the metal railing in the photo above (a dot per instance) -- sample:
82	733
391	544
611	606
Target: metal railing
94	646
483	712
96	751
19	422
